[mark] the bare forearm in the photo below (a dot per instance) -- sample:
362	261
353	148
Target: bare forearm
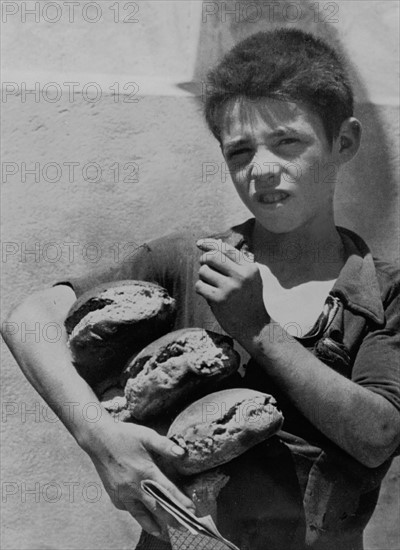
122	453
47	365
360	421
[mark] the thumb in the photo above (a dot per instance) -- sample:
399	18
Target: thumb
163	446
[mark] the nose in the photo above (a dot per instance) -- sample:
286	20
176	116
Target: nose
265	166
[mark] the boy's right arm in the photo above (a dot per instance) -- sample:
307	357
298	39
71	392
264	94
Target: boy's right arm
122	453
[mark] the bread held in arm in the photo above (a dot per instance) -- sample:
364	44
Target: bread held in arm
221	426
177	368
111	322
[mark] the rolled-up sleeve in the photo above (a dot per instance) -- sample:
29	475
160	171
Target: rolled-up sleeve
377	364
139	266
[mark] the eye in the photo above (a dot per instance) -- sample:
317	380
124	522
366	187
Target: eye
288	141
241	153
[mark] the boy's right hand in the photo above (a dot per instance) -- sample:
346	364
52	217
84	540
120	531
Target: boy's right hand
123	455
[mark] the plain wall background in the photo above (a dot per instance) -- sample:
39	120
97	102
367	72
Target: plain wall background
73	225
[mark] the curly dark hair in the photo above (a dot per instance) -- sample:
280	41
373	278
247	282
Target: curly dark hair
286	64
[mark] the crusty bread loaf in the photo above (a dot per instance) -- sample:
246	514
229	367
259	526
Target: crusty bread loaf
221	426
177	368
111	322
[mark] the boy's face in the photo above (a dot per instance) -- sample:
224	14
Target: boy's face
281	163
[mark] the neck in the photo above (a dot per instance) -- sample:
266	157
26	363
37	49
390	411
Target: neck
312	252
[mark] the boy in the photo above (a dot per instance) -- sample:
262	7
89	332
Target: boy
321	331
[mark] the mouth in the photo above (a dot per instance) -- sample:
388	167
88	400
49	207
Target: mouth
272	197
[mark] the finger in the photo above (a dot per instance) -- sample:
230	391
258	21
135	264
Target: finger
226	262
209	244
216	247
170	450
219	262
114	495
212	248
209	292
211	277
162	445
151	518
145	519
117	503
175	492
157	512
167	518
237	256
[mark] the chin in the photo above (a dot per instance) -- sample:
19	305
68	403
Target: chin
278	228
278	221
277	224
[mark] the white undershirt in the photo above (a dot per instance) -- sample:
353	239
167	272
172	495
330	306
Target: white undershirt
295	309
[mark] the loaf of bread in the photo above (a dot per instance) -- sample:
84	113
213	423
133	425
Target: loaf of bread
111	322
176	369
221	426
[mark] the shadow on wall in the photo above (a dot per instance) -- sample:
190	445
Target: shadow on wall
368	189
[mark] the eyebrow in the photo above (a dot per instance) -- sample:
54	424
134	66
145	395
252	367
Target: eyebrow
235	143
279	132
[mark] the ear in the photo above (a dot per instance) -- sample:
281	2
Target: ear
348	141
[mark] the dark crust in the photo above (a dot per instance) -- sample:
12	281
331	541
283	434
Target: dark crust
92	304
102	349
92	300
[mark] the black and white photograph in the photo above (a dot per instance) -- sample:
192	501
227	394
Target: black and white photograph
200	275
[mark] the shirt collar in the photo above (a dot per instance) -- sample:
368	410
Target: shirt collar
357	284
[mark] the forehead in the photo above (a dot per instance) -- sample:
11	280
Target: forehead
247	118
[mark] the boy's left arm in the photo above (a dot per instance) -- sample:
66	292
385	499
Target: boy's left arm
362	422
